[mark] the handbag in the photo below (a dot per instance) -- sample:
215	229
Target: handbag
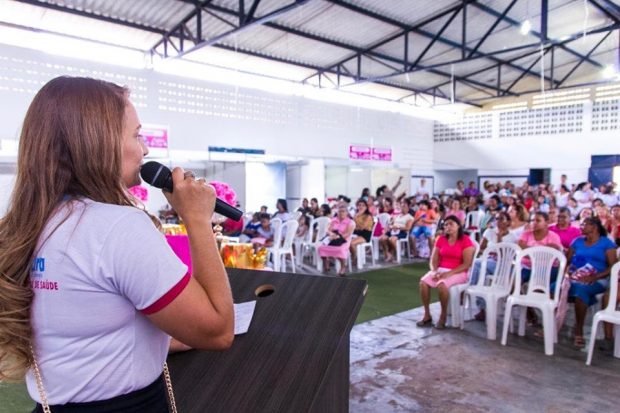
43	395
337	242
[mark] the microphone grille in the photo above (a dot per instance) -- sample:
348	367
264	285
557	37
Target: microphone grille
155	174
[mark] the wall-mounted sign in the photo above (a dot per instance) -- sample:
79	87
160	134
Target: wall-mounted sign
155	136
382	154
362	152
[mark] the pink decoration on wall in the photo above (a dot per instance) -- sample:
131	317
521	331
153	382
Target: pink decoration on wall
224	192
382	154
155	137
140	192
359	152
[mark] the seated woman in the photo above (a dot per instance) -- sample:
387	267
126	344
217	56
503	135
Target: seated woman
519	219
539	235
314	207
614	225
282	210
564	229
452	256
590	258
305	207
339	235
363	226
304	225
455	209
400	225
490	237
423	222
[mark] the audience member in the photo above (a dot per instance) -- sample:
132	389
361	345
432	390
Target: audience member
451	258
338	239
590	259
363	226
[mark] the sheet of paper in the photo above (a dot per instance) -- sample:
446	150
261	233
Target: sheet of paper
243	316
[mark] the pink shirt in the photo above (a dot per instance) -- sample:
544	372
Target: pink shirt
451	256
342	226
460	214
549	240
566	235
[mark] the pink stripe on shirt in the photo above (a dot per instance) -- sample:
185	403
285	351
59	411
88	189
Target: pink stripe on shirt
168	297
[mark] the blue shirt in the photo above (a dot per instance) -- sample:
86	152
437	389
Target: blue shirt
593	255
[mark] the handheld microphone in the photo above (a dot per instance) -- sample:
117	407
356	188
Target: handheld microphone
160	176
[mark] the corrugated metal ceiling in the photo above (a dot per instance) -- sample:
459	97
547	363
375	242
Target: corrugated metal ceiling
323	33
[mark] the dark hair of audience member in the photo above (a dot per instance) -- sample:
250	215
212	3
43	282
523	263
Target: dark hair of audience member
457	221
283	204
363	201
602	231
326	210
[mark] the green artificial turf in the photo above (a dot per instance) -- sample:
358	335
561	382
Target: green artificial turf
14	398
391	290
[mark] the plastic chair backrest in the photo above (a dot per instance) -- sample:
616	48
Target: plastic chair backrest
476	252
472	219
503	276
322	223
276	224
613	290
542	259
295	215
384	219
289	228
310	232
372	232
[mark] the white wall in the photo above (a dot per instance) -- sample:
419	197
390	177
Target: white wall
264	184
563	152
200	114
448	179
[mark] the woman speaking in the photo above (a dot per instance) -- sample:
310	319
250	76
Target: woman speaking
90	292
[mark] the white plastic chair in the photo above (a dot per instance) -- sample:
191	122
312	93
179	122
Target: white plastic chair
295	215
322	223
361	251
384	220
609	314
276	224
399	248
501	282
299	241
457	290
472	224
538	292
289	228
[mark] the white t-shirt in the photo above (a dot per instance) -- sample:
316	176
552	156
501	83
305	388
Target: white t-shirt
561	200
92	278
609	199
491	236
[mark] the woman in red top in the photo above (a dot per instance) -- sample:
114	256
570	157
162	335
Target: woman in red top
452	256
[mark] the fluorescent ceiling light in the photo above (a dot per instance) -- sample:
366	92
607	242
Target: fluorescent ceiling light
609	72
526	26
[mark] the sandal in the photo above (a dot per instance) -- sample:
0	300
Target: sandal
579	342
440	326
425	323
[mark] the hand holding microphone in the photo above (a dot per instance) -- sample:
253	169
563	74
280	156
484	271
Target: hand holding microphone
160	176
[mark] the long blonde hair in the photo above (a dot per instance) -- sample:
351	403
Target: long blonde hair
70	146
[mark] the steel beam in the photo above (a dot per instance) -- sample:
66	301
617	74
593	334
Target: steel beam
515	23
583	60
499	19
608	9
419	31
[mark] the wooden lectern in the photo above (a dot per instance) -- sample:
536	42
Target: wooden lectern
294	358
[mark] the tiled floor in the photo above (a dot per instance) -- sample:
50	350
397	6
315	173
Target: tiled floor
398	367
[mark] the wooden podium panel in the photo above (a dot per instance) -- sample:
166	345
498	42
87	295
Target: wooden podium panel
294	358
